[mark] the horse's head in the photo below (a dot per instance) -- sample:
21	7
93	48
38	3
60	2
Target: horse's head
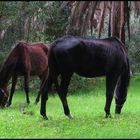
3	97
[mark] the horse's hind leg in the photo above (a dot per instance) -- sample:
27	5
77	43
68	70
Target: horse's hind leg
43	79
14	81
111	81
65	80
26	87
44	96
37	98
38	95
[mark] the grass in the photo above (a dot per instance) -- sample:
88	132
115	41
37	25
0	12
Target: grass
89	121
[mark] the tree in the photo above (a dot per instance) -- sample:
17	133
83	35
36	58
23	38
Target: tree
117	12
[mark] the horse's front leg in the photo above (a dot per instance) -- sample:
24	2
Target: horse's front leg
14	82
111	82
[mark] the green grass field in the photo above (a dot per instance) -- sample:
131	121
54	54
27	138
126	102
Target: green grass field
88	111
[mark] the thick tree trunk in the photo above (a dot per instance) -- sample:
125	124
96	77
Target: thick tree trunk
101	23
122	21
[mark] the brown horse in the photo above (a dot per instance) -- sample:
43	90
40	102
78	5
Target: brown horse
24	60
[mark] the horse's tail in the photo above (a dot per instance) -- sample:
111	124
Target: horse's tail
45	48
122	87
53	72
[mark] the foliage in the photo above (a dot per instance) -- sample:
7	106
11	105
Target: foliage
32	21
134	52
134	44
84	84
37	21
56	20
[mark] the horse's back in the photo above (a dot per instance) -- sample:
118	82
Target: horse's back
87	57
68	43
31	57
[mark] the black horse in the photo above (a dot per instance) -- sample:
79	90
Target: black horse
88	58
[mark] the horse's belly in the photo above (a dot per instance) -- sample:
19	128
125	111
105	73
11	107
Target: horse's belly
38	70
90	74
91	69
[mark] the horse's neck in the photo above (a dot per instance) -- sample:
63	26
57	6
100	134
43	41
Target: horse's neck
3	84
5	77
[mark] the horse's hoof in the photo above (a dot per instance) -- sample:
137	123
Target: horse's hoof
117	111
7	105
70	116
35	103
45	117
108	116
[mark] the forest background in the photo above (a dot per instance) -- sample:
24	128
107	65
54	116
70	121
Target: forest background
45	21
